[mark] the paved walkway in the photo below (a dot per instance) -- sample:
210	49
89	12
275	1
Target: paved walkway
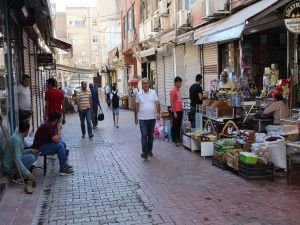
113	185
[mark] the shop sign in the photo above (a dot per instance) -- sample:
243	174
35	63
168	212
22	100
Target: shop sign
44	59
187	37
292	17
171	36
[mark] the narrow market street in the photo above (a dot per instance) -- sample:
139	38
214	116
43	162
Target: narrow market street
113	185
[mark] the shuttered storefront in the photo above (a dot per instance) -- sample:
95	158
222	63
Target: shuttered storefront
160	79
169	76
34	84
210	62
192	64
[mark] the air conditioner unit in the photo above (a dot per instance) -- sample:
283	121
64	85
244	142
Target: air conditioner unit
155	23
209	6
163	8
183	18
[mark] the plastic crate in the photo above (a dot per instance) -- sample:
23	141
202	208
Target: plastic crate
257	171
248	158
219	163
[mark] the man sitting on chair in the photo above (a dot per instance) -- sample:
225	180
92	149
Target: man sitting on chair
47	140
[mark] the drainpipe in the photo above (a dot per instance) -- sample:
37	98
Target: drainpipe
10	74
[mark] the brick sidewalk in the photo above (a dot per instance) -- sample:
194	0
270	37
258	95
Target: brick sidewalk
113	185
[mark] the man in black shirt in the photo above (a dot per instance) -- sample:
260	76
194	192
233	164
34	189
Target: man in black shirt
196	97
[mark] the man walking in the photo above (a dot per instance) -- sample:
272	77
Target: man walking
115	106
54	100
84	101
24	98
107	93
96	104
147	109
176	109
47	140
196	97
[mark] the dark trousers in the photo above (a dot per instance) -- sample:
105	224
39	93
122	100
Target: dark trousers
95	117
108	99
147	130
192	115
176	126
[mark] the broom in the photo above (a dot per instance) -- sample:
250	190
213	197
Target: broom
28	189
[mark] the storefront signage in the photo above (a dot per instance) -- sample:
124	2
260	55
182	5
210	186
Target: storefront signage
171	36
187	37
292	17
43	59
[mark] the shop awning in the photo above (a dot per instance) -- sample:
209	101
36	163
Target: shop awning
148	52
233	26
133	81
54	42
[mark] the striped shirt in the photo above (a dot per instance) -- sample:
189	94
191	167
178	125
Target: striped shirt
279	110
84	99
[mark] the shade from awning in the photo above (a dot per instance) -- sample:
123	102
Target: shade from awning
233	27
54	42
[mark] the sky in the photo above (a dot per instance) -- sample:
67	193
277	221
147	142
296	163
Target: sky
62	4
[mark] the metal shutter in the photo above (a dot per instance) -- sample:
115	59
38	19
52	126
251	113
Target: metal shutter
192	65
210	57
180	68
169	77
34	84
26	54
160	80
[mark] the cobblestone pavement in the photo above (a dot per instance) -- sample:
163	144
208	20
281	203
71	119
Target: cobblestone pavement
113	185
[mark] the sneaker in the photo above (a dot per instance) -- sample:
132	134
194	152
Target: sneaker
66	171
17	181
150	154
83	136
144	156
91	136
117	126
69	166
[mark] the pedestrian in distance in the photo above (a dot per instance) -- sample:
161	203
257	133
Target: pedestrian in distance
107	93
48	141
147	110
24	99
176	110
115	102
54	100
96	104
196	98
85	105
17	159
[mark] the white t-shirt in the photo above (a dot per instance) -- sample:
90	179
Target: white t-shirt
107	89
24	97
147	104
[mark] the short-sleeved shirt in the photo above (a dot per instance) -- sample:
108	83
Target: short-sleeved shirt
195	89
55	98
84	99
175	98
44	135
95	97
24	97
147	104
228	85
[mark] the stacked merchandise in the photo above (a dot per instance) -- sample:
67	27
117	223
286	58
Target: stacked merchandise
221	147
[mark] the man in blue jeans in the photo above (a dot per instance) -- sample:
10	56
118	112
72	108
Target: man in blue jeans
147	109
85	105
47	140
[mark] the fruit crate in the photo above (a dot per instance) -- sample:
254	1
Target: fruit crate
256	171
219	163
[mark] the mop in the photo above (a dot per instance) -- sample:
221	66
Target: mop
27	187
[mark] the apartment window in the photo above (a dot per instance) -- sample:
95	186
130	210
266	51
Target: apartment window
94	23
70	22
185	4
95	39
148	7
129	16
155	5
142	11
79	23
133	18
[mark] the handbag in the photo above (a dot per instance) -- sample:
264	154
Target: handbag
100	115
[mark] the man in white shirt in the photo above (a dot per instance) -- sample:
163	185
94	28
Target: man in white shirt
147	109
107	93
24	98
